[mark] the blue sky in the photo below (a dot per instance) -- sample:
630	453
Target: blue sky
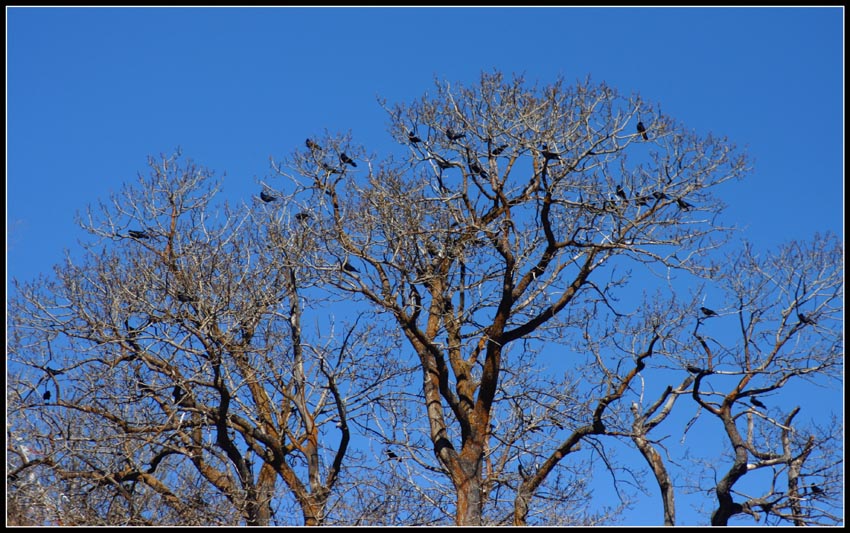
91	92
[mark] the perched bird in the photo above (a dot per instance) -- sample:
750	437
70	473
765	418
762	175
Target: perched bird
621	193
46	395
707	312
805	320
693	369
475	168
683	205
348	268
658	195
816	490
642	130
330	169
345	160
185	298
757	403
264	196
301	217
453	136
499	149
311	145
178	393
392	455
413	138
548	154
640	200
442	163
138	234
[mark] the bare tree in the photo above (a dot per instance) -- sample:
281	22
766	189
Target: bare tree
503	221
184	386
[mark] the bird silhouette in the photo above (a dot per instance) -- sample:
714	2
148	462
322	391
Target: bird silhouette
345	160
499	149
348	268
475	167
443	163
693	369
185	298
640	200
757	403
392	455
178	393
46	395
805	320
707	312
301	217
312	145
621	193
658	195
413	138
264	196
816	490
548	154
330	169
683	205
642	130
453	136
138	234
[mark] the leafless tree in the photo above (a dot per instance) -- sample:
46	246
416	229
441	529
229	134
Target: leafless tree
184	385
506	218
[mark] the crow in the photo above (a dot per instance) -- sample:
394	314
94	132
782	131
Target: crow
392	455
754	401
311	145
548	154
694	369
475	168
345	160
658	195
301	217
413	138
621	193
499	149
442	163
707	312
46	396
330	169
347	267
264	196
454	136
178	393
805	320
642	130
683	205
816	490
138	234
640	200
185	298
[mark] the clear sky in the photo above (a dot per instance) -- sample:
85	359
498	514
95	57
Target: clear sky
91	92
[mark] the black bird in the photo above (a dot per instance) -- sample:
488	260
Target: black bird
392	455
46	395
178	393
805	320
754	401
499	149
345	160
330	169
640	200
683	205
693	369
642	130
816	490
301	217
185	298
548	154
413	138
621	193
311	145
475	168
707	312
453	136
264	196
138	234
347	267
442	163
658	195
